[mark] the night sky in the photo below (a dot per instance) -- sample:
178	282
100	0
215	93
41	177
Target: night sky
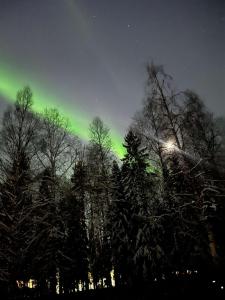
90	55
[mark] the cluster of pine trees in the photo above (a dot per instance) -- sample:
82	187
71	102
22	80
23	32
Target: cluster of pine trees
70	214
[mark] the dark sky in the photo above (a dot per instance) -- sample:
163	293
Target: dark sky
92	53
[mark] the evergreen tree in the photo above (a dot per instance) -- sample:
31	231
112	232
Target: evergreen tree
75	248
119	215
48	235
98	165
135	181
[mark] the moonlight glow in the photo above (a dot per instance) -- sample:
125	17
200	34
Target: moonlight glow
169	146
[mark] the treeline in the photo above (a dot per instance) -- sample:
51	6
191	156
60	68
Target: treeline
73	213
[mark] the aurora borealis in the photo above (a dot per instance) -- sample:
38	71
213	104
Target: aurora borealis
112	149
11	81
87	57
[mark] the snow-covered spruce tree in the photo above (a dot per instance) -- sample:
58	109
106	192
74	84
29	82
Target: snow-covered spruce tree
118	216
74	266
136	185
180	135
98	156
48	234
205	144
185	242
18	134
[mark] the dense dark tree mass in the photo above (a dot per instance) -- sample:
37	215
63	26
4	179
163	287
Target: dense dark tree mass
74	217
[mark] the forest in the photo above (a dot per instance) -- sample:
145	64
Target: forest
76	219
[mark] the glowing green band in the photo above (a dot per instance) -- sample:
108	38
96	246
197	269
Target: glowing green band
11	82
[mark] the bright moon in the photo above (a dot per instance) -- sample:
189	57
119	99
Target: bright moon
169	145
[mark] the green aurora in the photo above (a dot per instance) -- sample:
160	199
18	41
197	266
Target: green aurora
12	81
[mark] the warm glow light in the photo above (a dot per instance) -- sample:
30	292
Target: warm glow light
169	145
112	278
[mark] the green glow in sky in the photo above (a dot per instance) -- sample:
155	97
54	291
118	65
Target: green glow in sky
12	81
